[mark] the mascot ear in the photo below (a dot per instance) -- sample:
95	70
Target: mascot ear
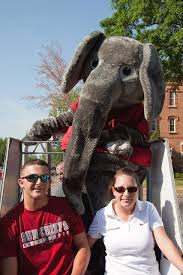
152	81
74	71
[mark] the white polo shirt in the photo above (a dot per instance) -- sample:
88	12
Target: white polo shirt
129	244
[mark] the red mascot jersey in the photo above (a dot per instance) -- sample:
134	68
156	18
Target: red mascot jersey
133	118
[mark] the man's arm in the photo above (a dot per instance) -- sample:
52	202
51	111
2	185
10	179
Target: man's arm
83	254
9	266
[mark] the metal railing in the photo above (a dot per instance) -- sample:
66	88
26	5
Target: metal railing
17	153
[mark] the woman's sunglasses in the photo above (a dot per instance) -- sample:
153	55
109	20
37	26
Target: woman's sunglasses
34	178
121	189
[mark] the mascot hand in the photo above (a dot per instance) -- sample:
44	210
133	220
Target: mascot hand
44	129
120	147
40	130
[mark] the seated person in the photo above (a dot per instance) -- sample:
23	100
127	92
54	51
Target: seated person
39	234
128	227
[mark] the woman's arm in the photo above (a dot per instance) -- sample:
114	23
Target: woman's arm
9	266
83	254
168	248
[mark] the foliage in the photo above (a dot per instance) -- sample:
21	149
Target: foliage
177	161
2	150
154	135
56	156
159	22
31	157
179	175
61	103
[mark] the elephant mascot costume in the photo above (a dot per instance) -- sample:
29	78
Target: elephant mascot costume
107	128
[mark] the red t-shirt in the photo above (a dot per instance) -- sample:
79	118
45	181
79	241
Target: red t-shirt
42	239
133	117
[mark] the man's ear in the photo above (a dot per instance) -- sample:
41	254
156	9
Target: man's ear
20	183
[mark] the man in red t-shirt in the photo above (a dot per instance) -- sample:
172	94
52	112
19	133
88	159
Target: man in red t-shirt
38	235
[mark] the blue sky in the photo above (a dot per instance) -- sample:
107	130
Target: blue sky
25	26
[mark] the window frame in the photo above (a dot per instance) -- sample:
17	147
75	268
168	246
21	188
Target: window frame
173	119
172	98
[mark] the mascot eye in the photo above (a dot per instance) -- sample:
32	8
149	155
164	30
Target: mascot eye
126	71
94	63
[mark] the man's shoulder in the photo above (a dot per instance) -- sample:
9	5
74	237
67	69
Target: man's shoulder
61	206
59	201
14	213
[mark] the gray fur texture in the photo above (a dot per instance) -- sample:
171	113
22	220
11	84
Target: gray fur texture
118	72
124	72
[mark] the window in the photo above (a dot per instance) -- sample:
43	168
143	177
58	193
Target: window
172	98
172	124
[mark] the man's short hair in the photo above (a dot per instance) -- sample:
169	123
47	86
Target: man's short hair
34	162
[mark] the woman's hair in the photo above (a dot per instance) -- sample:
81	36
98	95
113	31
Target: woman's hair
125	171
34	162
122	171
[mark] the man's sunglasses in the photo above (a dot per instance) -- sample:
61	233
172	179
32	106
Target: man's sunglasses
121	189
34	178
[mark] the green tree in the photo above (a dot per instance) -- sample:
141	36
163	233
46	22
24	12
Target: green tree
2	149
154	135
159	22
62	103
177	161
31	157
56	155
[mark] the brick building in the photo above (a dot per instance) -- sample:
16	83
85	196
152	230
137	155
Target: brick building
170	122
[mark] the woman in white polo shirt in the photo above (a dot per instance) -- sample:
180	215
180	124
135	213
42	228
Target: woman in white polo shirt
128	227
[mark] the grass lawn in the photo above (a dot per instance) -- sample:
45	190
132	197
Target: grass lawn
179	182
179	179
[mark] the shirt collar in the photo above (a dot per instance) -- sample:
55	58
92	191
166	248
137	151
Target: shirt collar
110	211
139	206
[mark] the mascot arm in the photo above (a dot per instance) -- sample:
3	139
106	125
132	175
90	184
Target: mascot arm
44	129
